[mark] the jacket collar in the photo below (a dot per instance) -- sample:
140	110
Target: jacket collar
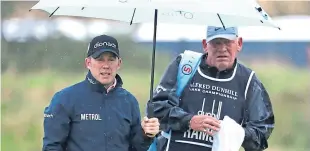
97	86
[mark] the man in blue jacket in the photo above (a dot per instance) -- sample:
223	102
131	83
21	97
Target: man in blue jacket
221	86
97	114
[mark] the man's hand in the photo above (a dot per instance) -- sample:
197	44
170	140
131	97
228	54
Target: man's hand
150	126
205	123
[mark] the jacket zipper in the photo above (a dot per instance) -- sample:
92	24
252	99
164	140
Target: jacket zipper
104	120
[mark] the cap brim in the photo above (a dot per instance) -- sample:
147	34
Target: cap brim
99	52
225	36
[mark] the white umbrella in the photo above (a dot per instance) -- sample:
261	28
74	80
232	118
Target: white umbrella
202	12
216	13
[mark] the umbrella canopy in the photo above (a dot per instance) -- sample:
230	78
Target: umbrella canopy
216	13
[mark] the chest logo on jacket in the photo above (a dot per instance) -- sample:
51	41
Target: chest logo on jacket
212	89
90	117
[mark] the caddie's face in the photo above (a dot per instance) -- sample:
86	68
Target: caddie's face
222	52
104	68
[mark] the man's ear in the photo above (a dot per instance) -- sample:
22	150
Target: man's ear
240	44
87	63
120	61
204	45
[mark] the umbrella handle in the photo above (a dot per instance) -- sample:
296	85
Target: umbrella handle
150	113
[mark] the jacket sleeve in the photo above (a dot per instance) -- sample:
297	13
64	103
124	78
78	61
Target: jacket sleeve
138	140
259	117
56	124
166	103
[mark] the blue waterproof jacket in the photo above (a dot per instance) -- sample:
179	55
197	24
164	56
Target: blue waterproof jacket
84	117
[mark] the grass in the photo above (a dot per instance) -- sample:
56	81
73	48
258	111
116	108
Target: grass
24	97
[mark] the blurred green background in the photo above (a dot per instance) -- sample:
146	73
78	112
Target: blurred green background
33	71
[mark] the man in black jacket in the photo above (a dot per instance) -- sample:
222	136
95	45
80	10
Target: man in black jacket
220	86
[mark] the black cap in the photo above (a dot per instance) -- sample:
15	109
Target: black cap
102	43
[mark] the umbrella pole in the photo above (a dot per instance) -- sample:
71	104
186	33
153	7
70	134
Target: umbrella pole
53	12
218	15
150	110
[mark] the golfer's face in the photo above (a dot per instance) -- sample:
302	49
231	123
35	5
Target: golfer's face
104	68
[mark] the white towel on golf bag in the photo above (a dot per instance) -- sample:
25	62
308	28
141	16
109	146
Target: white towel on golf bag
230	136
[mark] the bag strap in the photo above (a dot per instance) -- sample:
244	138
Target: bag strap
187	68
